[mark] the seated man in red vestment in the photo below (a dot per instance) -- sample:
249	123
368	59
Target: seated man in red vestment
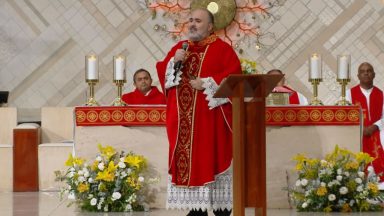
198	125
370	98
294	96
144	93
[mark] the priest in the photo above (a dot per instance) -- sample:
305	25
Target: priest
144	92
198	125
294	96
370	98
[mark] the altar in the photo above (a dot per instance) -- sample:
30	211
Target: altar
311	130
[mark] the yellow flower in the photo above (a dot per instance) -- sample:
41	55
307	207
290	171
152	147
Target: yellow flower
105	176
328	208
373	187
247	66
94	165
352	165
83	187
346	208
107	151
362	157
321	191
74	161
135	161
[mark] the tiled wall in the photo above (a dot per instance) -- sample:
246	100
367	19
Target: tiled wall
43	44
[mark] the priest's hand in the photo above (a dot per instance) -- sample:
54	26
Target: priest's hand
368	131
197	84
179	55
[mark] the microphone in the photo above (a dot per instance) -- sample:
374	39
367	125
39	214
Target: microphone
178	64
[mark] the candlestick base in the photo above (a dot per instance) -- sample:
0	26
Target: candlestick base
343	102
92	102
316	102
118	102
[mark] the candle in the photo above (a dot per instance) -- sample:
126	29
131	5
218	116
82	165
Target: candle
315	67
119	68
91	72
343	67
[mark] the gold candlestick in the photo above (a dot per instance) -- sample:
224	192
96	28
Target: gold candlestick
343	101
91	77
91	100
315	101
118	101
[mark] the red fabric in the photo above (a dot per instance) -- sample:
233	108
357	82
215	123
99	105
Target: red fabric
293	97
136	97
371	144
200	139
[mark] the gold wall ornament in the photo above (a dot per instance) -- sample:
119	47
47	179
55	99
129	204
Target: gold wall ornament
224	11
237	22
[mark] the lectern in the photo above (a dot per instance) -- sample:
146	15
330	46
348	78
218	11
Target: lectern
249	149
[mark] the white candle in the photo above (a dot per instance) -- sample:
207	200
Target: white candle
315	67
119	68
342	70
91	68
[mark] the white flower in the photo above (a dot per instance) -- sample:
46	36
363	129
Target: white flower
121	165
304	182
359	188
99	158
122	159
298	183
358	180
330	184
351	203
129	171
361	174
339	171
93	201
346	174
322	184
72	169
101	166
123	174
304	205
128	207
71	196
339	178
86	174
90	180
370	169
81	179
331	197
116	196
71	174
106	208
80	172
141	179
343	190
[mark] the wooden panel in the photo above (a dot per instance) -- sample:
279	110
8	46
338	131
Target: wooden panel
25	159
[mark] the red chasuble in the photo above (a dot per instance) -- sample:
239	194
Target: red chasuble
371	144
136	97
200	138
293	97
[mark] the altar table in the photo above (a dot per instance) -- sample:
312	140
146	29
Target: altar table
312	130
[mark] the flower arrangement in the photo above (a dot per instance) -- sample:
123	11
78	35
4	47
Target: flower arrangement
248	67
113	182
338	183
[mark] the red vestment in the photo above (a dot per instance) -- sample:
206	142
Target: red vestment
200	138
371	144
293	96
137	97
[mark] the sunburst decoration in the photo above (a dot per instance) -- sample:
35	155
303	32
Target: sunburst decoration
238	22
